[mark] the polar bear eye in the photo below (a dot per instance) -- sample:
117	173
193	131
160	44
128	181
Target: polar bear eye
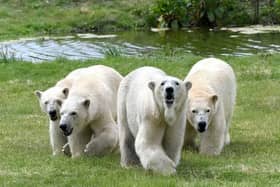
208	110
177	83
46	102
194	111
59	102
162	83
73	113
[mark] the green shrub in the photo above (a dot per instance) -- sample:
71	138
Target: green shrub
168	11
205	12
270	14
237	13
164	13
218	12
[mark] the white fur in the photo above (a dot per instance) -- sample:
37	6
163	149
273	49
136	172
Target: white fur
150	132
211	99
90	110
52	99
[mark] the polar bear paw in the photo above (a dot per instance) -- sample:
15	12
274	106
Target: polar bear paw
66	150
163	166
94	148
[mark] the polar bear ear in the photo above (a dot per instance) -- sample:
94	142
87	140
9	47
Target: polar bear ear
86	103
188	85
214	99
65	91
38	93
152	85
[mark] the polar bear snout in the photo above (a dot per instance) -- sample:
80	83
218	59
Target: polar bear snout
169	90
63	127
169	95
202	126
53	115
66	130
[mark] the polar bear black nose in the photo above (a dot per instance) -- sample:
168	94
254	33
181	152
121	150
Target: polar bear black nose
169	90
63	127
201	126
52	113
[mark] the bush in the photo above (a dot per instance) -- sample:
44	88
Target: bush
270	14
167	12
237	13
205	12
200	13
218	12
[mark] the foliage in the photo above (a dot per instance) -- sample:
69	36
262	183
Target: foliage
205	12
199	12
270	14
168	11
112	51
236	13
20	18
6	56
218	12
212	13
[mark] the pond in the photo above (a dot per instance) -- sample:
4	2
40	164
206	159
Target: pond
82	47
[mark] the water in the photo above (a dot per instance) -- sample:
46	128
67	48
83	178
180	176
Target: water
203	43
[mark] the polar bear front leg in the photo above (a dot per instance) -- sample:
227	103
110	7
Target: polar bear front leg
190	136
212	141
57	139
104	141
66	150
149	149
77	145
174	139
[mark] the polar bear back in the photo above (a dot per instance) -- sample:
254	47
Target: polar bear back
212	76
111	79
67	81
212	66
141	102
108	75
100	95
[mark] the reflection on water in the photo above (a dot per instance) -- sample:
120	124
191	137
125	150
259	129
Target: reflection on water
204	43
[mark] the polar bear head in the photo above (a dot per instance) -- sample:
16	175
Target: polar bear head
200	111
51	100
170	94
74	114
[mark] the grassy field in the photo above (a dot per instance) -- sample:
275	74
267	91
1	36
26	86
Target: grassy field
20	18
252	159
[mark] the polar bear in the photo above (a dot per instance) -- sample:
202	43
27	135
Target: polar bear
151	119
51	100
210	105
87	116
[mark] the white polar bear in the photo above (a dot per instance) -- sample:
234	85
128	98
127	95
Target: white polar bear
151	119
210	105
51	100
88	113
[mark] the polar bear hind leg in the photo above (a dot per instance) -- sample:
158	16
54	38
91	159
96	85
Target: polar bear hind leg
104	142
126	139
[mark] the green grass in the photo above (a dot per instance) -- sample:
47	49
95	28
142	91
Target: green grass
20	18
252	159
